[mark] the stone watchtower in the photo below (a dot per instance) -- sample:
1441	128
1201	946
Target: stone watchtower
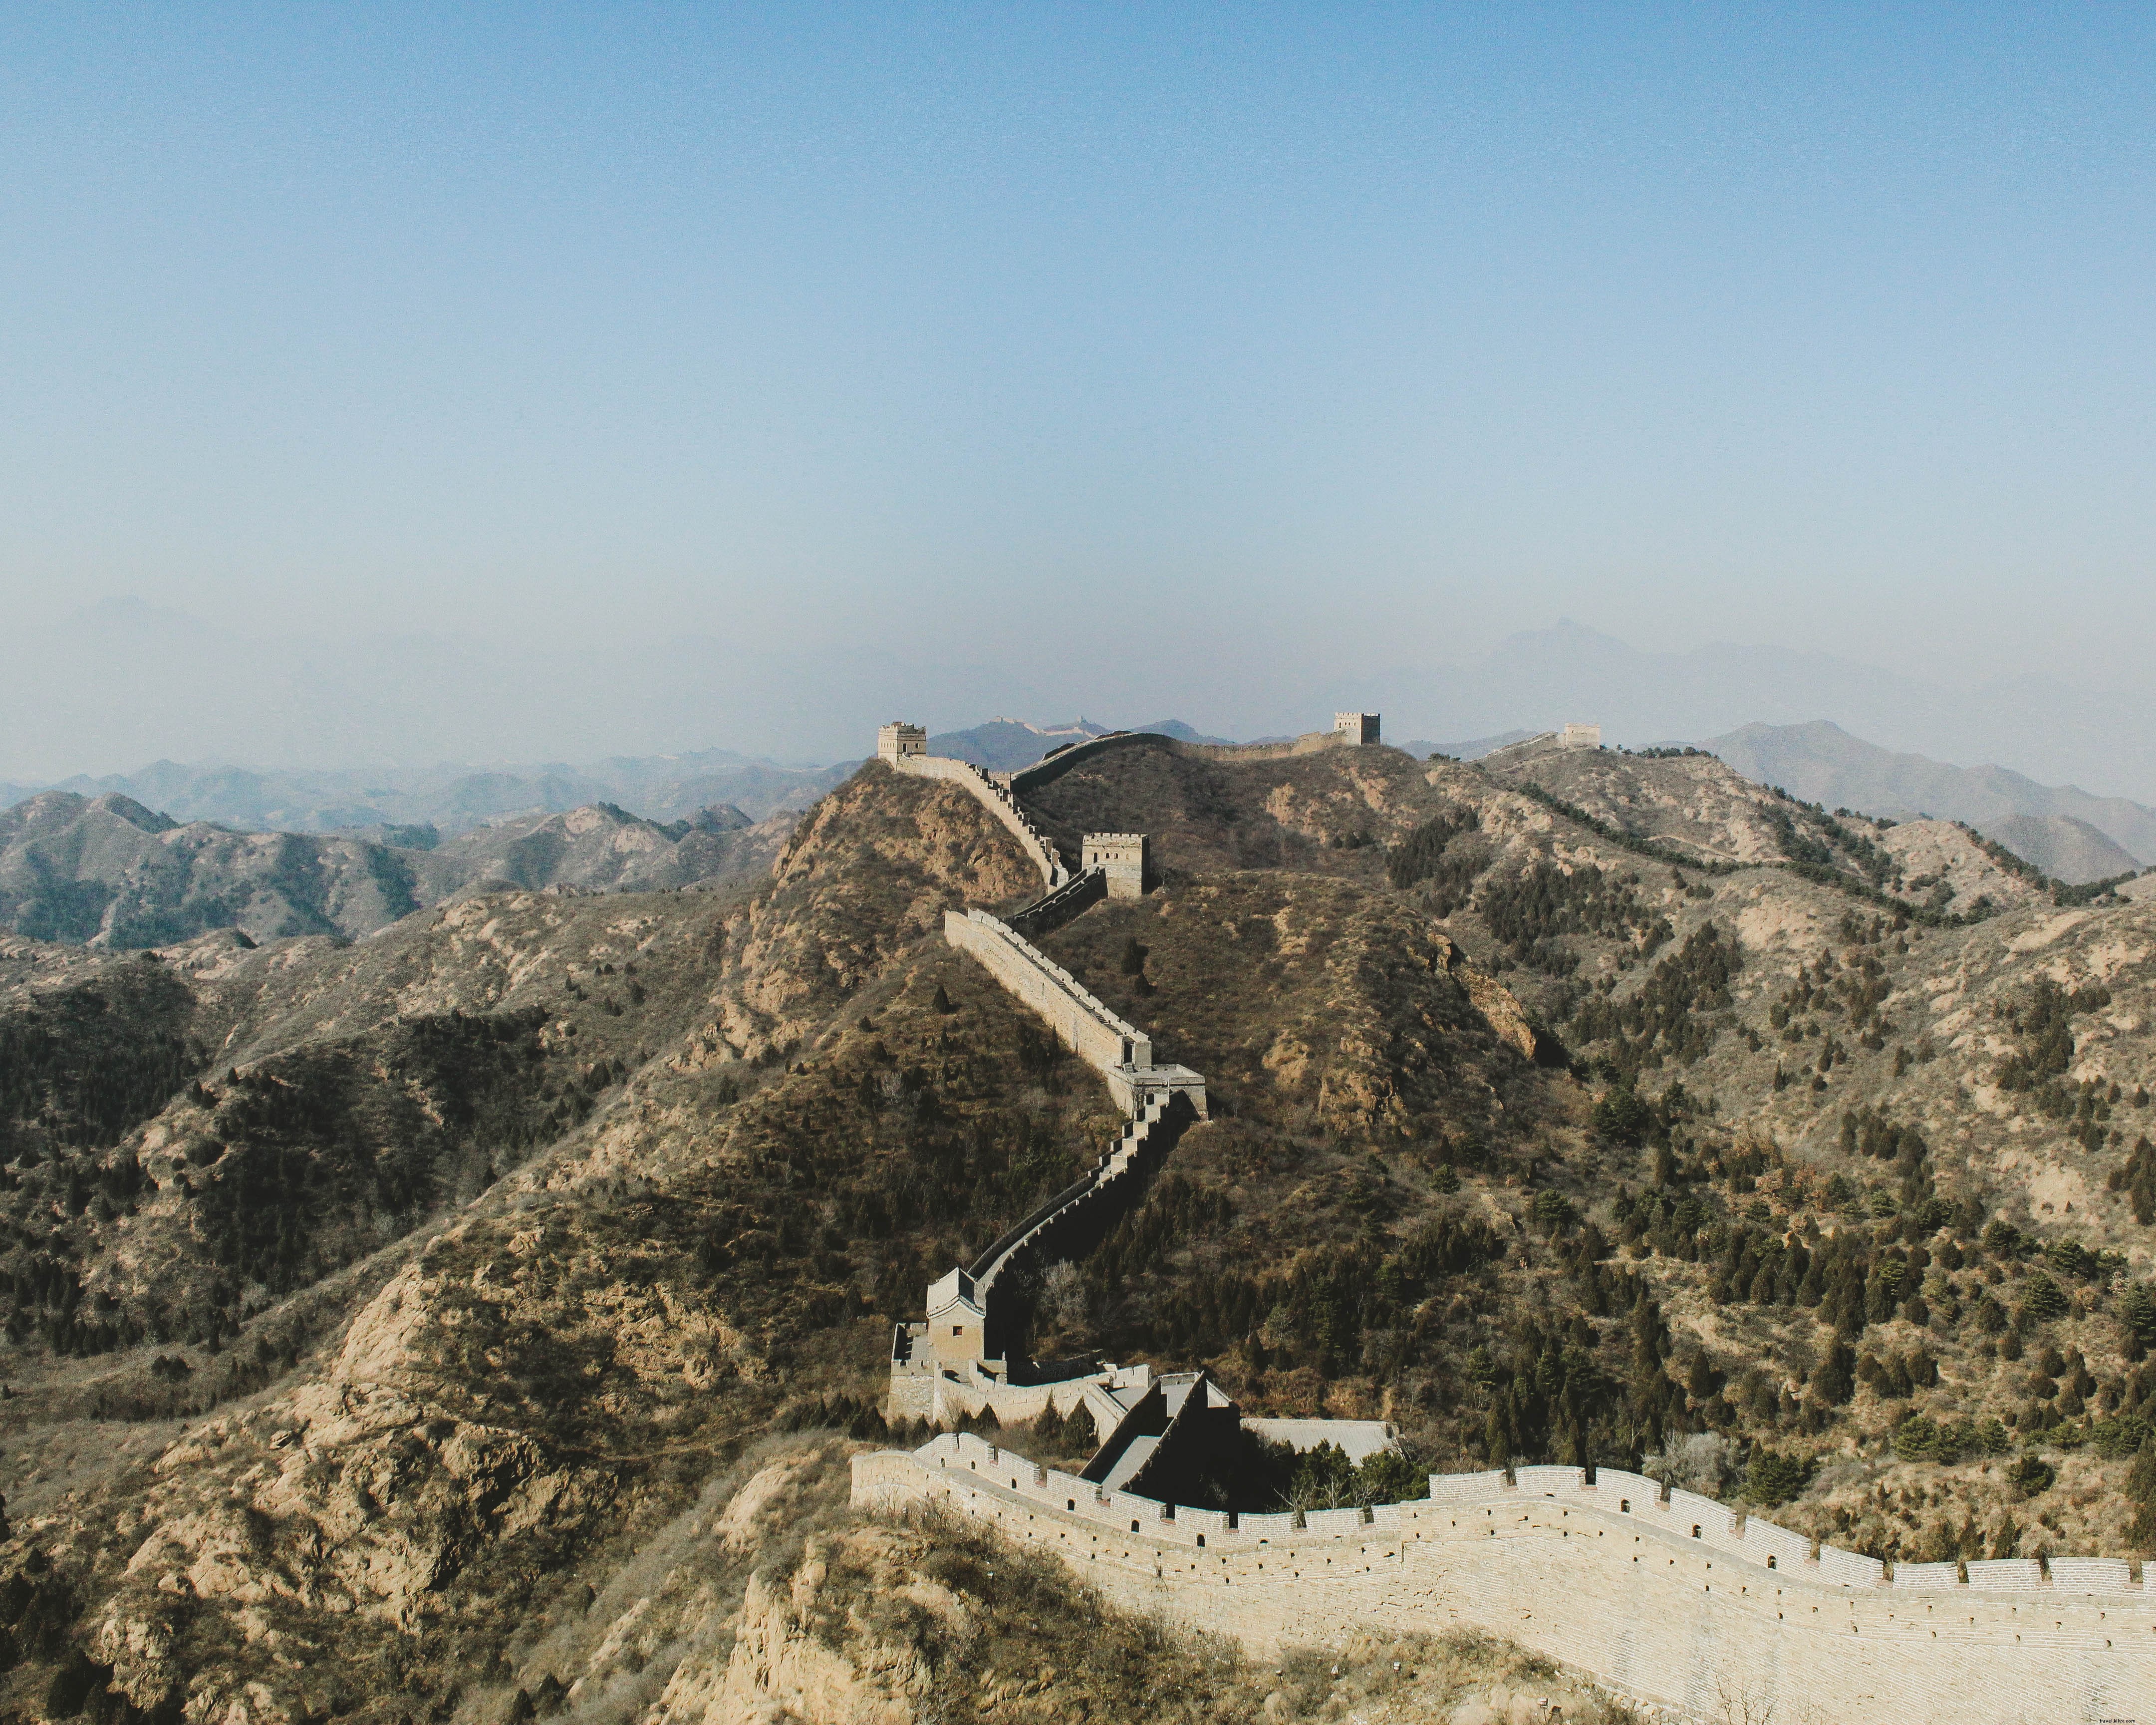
1122	857
899	738
1582	736
1356	728
957	1323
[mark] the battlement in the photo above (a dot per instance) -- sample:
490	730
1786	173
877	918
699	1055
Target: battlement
995	798
1661	1594
1675	1600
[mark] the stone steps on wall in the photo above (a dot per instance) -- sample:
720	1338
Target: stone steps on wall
1065	1204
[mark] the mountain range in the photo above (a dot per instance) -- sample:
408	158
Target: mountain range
475	1321
453	800
107	871
1541	678
2064	830
120	681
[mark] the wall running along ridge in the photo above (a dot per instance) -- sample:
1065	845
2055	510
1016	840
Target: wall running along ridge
1668	1598
1679	1602
1084	1026
998	801
1050	767
1119	1051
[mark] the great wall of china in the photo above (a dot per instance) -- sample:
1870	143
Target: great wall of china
1672	1600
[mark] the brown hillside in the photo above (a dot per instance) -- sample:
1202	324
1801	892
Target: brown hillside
389	1319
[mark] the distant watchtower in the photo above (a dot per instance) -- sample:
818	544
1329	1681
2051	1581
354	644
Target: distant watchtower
1357	728
899	738
1122	857
1582	736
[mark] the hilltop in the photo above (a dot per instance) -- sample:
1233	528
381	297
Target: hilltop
434	1305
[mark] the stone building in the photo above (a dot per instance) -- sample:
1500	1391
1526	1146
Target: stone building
1582	736
1357	728
898	738
1123	858
957	1323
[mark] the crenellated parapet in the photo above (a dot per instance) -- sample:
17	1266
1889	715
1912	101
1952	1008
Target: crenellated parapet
1665	1598
993	796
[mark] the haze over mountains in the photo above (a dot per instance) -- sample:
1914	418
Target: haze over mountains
453	800
106	871
2063	829
172	852
120	683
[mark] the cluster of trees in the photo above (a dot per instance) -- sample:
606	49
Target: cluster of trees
2135	1176
1317	1312
1071	1432
1666	1018
1859	987
2046	1026
1324	1478
1529	912
1617	836
1868	859
1550	1397
1421	855
83	1066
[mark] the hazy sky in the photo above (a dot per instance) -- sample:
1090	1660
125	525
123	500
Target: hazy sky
1121	353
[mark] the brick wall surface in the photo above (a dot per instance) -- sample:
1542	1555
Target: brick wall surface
1643	1608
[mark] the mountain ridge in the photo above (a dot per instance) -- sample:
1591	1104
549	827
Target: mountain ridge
1824	763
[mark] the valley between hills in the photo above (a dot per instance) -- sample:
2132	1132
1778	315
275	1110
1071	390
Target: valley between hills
472	1321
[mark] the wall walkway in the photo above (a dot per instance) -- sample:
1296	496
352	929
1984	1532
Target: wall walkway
1678	1603
998	801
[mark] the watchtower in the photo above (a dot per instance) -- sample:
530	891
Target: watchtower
957	1324
899	738
1122	857
1356	728
1582	736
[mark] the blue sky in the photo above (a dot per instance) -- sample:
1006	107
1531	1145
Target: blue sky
1249	347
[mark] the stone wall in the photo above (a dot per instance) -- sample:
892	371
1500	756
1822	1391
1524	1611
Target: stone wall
1119	1052
1075	1220
1054	766
1604	1578
1310	743
1082	1023
998	801
1052	909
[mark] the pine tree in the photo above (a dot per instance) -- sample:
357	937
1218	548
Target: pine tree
1048	1431
1079	1435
